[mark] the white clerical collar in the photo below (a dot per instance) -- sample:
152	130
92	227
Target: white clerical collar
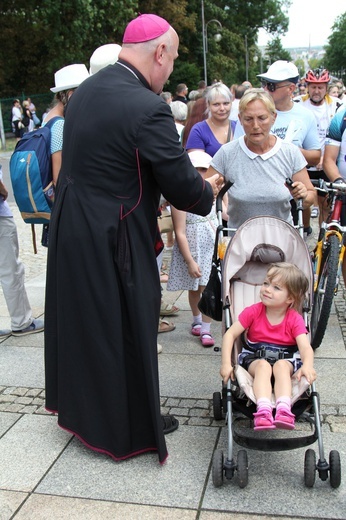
264	156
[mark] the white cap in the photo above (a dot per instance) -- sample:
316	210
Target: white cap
103	56
69	77
200	159
280	71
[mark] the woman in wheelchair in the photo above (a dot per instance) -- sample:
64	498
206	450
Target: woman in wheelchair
277	345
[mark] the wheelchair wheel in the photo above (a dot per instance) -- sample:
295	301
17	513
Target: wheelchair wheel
217	406
242	468
310	468
324	294
335	469
217	468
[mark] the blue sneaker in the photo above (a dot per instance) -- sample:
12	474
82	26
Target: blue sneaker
36	326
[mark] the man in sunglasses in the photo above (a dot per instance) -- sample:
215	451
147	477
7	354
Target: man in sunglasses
293	123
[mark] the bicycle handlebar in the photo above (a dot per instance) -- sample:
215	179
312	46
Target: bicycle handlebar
323	185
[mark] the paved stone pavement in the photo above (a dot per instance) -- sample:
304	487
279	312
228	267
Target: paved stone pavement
47	473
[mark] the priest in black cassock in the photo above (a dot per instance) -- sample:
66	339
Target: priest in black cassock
121	150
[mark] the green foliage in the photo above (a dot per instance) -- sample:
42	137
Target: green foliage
334	58
38	37
315	63
275	51
299	63
183	72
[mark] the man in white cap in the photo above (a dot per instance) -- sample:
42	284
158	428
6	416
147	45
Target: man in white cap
103	289
293	123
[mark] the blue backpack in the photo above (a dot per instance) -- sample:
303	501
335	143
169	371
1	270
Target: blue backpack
31	175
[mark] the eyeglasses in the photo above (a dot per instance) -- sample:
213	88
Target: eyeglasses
273	86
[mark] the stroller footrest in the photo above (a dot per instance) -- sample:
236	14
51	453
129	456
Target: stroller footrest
245	381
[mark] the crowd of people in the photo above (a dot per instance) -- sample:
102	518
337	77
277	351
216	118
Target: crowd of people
152	148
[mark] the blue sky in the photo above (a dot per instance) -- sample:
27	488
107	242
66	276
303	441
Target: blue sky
310	21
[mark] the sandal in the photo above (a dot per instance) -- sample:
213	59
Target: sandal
207	340
263	420
196	329
167	309
284	420
165	326
163	277
170	423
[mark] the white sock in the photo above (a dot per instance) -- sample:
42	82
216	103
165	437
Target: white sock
198	318
205	329
264	404
284	403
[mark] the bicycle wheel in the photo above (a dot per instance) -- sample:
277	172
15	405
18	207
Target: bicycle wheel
324	294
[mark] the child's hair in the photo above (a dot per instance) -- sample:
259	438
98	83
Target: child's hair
294	280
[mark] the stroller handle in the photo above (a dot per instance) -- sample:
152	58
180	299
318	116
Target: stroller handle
220	195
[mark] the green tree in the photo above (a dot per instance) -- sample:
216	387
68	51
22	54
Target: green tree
226	59
334	58
275	51
39	37
299	63
315	63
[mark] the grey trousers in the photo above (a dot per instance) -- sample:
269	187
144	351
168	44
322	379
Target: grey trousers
12	276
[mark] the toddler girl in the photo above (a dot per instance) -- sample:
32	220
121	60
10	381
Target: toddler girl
275	329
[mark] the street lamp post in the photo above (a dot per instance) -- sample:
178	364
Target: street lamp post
205	39
246	60
204	44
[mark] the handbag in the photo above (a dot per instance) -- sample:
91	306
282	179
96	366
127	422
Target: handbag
210	303
165	222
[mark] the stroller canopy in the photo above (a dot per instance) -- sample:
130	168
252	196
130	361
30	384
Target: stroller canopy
259	242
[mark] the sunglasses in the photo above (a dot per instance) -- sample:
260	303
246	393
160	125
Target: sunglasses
273	86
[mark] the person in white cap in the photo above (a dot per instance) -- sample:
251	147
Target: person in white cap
67	80
294	123
104	56
103	289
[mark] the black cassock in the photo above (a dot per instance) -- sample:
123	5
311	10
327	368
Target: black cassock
121	149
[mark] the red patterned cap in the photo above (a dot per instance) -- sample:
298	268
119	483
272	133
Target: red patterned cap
144	28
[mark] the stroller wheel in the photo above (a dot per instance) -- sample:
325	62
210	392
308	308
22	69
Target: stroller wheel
335	469
217	406
242	468
217	469
310	468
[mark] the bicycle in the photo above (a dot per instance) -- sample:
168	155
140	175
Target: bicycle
327	258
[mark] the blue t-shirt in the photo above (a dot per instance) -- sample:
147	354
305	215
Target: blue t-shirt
56	135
